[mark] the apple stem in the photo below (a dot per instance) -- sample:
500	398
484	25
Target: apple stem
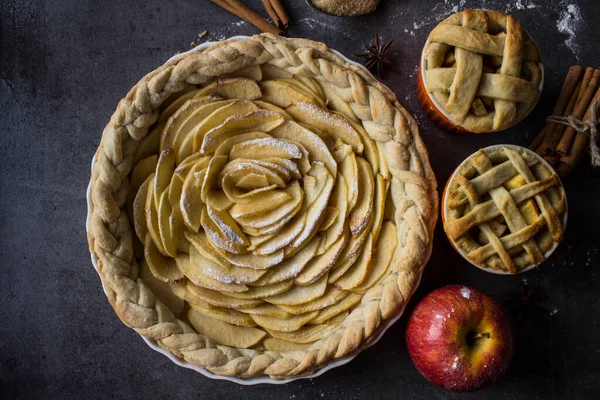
482	335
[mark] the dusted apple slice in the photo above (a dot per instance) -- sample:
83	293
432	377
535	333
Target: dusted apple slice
266	309
360	215
195	275
142	170
384	254
253	261
166	228
228	227
336	102
292	323
139	210
256	121
300	294
276	214
258	292
265	148
283	94
218	299
328	122
320	264
338	202
232	88
226	274
272	107
152	217
224	333
164	172
291	267
262	202
163	268
357	272
349	170
191	201
331	311
219	201
314	145
331	296
226	146
309	333
150	144
175	105
228	315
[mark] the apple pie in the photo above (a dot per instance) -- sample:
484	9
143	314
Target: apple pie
504	209
261	207
483	70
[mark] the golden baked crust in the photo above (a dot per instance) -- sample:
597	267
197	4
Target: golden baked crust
483	69
142	305
504	208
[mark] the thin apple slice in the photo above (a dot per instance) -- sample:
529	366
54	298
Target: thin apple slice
190	113
175	105
276	214
152	218
218	299
272	107
228	315
339	202
165	228
312	85
291	267
370	151
261	203
384	254
320	264
228	227
357	272
264	148
224	273
256	121
331	214
292	323
315	146
214	119
275	227
348	167
219	201
350	254
300	294
283	94
215	166
331	311
284	237
271	71
336	102
328	122
282	346
217	237
161	290
331	296
195	275
381	188
191	201
362	212
185	167
258	292
142	170
232	88
250	260
224	333
139	210
163	268
253	72
226	146
266	309
309	333
164	172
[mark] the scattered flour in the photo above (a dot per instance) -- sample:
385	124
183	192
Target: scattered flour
465	292
520	5
568	23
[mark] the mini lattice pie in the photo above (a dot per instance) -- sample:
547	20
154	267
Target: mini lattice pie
504	209
483	69
261	207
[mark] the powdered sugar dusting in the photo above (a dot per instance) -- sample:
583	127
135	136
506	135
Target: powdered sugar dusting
465	292
569	23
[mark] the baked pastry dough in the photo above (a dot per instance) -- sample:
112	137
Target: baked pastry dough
504	209
483	69
261	207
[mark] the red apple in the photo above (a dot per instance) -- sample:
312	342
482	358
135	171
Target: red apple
460	338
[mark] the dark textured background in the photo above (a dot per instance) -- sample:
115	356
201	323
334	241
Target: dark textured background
64	64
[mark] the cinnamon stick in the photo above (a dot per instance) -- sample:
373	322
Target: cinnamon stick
580	144
565	142
282	15
548	146
239	9
271	11
569	85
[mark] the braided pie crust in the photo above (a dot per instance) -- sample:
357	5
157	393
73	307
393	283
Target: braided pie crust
181	252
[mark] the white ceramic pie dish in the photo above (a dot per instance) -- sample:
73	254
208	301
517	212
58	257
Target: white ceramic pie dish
462	252
256	380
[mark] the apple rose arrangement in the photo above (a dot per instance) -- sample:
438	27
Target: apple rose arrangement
263	210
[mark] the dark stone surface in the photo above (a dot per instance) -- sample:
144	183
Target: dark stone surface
64	64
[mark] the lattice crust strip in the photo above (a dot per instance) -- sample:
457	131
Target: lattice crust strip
504	208
483	68
403	170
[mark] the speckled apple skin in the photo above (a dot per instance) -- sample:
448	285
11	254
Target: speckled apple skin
436	338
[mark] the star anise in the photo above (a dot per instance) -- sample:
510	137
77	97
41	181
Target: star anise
376	56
